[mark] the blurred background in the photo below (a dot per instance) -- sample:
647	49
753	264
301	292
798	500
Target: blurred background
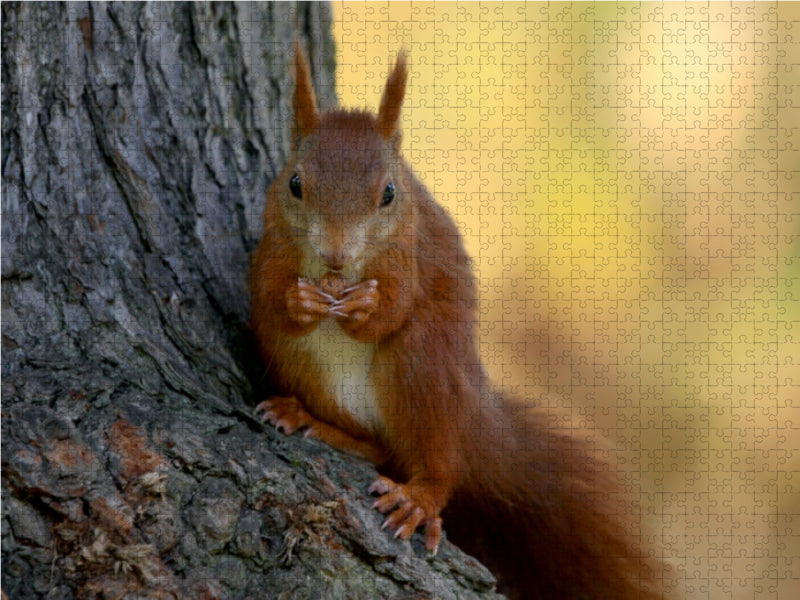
627	177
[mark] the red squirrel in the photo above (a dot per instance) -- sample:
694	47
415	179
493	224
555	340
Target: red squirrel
364	308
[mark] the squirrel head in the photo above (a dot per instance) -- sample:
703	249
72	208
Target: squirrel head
343	193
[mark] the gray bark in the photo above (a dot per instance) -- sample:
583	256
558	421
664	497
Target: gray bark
137	142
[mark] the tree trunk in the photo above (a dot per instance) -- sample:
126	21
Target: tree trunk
137	142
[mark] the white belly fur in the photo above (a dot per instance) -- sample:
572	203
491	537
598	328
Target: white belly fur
345	364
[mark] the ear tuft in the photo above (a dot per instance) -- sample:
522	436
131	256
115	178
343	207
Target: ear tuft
392	100
306	114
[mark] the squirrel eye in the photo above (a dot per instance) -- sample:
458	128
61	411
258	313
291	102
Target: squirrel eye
388	194
294	186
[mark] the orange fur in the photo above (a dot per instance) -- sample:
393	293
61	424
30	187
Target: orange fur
306	113
392	100
532	500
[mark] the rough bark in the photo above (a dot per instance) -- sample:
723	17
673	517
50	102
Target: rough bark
137	142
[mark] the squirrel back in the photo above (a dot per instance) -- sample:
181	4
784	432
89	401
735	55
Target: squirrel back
364	306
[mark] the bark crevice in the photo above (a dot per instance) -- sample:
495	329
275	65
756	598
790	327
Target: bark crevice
138	140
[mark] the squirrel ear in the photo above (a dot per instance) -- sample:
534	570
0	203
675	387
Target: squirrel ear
306	114
392	100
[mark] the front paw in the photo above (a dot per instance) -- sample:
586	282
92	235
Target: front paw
287	414
307	304
410	506
357	302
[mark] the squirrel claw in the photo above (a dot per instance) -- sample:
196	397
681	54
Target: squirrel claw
286	414
358	301
306	304
370	285
433	535
410	507
380	486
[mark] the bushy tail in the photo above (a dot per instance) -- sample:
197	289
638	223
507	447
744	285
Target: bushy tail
542	509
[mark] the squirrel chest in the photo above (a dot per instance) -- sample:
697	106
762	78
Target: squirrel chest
345	365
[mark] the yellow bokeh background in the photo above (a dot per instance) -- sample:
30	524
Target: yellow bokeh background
627	178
